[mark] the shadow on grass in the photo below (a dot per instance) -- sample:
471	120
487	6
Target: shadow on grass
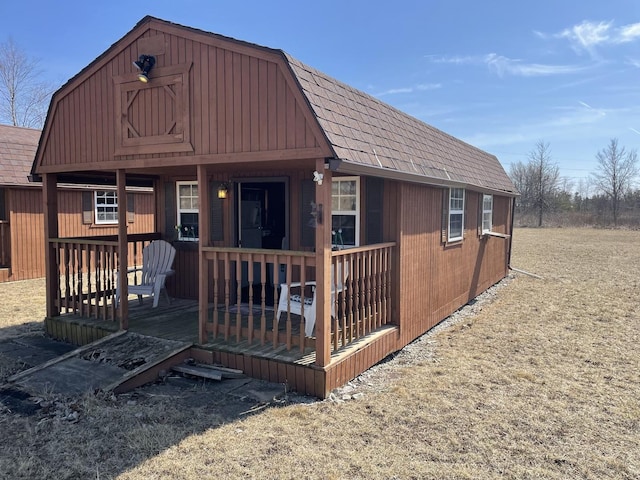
109	434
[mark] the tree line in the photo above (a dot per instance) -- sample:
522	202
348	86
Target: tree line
608	197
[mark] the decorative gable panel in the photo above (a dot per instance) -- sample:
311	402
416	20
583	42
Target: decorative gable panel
153	117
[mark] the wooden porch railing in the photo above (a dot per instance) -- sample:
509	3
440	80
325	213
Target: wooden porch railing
87	269
364	302
245	287
5	244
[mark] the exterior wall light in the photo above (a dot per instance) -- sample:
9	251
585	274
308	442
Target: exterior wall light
144	64
223	190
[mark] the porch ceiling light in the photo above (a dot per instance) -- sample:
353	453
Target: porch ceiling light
223	190
144	64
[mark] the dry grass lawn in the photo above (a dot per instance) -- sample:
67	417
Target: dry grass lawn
544	382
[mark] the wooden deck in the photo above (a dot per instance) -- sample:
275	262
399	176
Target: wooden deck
179	322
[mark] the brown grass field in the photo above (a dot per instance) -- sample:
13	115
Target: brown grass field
543	382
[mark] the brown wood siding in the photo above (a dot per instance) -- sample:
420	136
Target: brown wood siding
436	279
236	103
27	226
184	284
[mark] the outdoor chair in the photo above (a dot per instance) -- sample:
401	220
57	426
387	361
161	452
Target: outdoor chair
292	302
157	259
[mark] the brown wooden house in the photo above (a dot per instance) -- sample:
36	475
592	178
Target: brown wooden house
268	172
22	239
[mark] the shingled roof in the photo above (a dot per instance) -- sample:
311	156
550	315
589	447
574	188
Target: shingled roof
17	150
370	137
363	131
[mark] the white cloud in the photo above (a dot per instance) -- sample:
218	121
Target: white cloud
428	86
421	87
456	59
503	65
508	66
634	130
633	62
586	36
628	33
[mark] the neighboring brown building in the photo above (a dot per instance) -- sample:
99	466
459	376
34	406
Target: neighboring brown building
21	219
268	171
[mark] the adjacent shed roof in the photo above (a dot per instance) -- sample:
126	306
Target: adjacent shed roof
18	147
364	131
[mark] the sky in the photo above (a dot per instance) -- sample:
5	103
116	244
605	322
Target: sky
501	75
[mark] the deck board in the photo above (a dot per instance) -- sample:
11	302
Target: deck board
178	321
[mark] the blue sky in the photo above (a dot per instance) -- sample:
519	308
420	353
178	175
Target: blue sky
498	74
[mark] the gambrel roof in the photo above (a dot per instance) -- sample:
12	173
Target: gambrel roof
361	134
364	131
18	147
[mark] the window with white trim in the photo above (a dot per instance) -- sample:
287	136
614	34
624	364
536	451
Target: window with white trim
345	211
487	213
106	207
456	214
187	213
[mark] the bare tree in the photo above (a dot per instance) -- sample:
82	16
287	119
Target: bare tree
615	174
545	176
520	174
23	98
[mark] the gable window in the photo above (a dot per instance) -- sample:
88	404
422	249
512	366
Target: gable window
487	213
456	214
345	211
106	207
187	213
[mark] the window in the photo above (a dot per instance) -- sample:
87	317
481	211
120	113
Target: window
345	211
487	213
106	207
456	214
187	211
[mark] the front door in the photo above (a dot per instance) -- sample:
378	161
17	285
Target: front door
263	214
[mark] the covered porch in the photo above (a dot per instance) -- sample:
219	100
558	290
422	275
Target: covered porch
253	306
239	328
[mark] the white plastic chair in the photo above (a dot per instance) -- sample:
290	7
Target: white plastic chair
293	302
157	259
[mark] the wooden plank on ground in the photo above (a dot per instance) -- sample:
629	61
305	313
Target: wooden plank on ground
198	372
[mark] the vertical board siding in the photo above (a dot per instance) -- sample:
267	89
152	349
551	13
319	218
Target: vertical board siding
237	103
454	273
27	226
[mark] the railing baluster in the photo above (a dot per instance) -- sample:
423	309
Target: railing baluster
67	285
80	280
238	297
276	299
303	322
58	271
216	286
115	261
227	295
72	276
346	264
250	268
103	293
263	298
369	299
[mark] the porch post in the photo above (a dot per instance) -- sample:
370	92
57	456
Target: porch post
204	237
52	269
323	266
123	249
